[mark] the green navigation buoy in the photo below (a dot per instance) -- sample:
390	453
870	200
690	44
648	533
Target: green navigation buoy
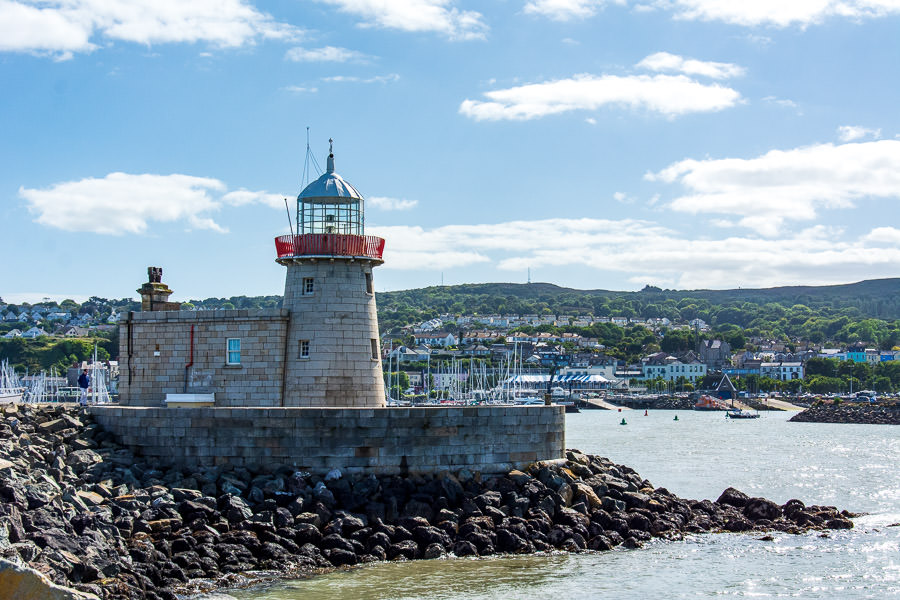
623	422
676	417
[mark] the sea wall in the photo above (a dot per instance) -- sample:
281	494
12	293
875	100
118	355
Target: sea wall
490	439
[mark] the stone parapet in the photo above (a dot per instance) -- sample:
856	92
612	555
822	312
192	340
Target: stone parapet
490	439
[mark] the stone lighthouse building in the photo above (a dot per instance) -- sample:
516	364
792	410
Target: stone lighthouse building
301	385
321	349
333	356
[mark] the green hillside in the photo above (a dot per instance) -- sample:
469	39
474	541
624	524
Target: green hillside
864	311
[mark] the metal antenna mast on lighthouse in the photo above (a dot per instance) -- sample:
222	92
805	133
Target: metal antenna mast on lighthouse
309	160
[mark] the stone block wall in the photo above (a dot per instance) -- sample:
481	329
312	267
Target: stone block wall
339	320
490	439
155	349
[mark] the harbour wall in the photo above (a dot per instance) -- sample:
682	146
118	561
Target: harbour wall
490	439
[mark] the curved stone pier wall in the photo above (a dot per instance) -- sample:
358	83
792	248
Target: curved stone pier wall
490	439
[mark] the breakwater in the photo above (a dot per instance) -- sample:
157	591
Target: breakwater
87	513
862	413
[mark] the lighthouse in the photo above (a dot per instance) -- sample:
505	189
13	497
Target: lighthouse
332	352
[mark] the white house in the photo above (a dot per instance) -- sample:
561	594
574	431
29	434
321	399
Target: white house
670	369
782	371
405	354
12	333
436	338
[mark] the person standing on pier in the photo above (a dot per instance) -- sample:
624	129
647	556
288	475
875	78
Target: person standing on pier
84	382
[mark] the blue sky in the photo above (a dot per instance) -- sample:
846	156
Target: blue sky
600	144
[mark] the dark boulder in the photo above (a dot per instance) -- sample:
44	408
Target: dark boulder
733	497
406	549
759	508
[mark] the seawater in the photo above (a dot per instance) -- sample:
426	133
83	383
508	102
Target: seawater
849	466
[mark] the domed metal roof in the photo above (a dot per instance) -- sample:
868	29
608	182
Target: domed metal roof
330	185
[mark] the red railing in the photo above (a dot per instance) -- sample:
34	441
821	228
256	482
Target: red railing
329	244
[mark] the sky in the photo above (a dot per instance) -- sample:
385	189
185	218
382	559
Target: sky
595	144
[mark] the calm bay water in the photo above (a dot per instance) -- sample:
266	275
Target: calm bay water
849	466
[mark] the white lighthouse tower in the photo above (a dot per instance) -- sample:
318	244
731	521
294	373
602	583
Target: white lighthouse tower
332	355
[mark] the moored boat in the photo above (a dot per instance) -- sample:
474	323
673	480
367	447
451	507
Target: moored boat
709	403
737	413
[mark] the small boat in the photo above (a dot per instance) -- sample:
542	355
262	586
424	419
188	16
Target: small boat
737	413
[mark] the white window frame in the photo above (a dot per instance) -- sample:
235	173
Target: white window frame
309	286
229	351
303	345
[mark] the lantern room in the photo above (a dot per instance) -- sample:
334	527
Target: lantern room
330	205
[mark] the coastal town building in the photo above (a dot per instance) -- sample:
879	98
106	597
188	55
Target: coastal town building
670	368
782	371
715	354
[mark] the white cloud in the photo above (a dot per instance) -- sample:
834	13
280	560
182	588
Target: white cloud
850	133
784	185
780	13
246	197
566	10
123	203
389	78
886	235
385	203
664	61
628	246
591	121
324	54
62	27
435	16
670	95
299	89
782	102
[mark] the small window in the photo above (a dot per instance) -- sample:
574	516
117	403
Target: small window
374	349
308	286
233	355
304	349
368	283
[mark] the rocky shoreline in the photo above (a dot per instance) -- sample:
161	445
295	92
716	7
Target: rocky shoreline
673	403
862	413
87	514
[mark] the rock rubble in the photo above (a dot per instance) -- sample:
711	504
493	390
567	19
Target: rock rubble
863	413
84	512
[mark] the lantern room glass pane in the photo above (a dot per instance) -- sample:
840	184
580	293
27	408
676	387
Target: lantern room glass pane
330	217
